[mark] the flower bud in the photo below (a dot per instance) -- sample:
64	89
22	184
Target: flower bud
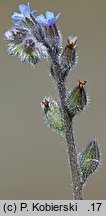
52	114
89	160
69	56
25	46
15	34
77	98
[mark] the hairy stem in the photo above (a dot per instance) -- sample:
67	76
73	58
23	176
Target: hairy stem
77	186
68	124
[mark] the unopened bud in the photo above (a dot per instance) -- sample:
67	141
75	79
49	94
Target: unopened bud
69	56
53	114
77	98
89	160
72	41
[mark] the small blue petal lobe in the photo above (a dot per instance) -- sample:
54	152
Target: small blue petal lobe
52	21
24	8
34	12
58	16
41	19
17	16
49	15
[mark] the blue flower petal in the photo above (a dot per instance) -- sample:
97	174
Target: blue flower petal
58	16
24	9
41	19
49	15
17	16
52	21
49	20
34	12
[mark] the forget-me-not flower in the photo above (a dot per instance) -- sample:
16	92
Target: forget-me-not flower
25	12
49	20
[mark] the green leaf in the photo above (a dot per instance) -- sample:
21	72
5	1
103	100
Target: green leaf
52	114
77	98
89	160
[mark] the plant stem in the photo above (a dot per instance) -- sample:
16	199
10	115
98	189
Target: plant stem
68	125
77	186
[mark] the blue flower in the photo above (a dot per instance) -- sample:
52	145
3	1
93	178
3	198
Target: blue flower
50	19
25	12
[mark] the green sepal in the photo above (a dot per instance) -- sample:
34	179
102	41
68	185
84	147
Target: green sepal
77	99
53	114
89	160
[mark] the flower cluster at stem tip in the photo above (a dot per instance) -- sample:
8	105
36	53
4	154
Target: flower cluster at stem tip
47	21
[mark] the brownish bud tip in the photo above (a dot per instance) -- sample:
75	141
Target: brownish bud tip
72	41
82	83
45	103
